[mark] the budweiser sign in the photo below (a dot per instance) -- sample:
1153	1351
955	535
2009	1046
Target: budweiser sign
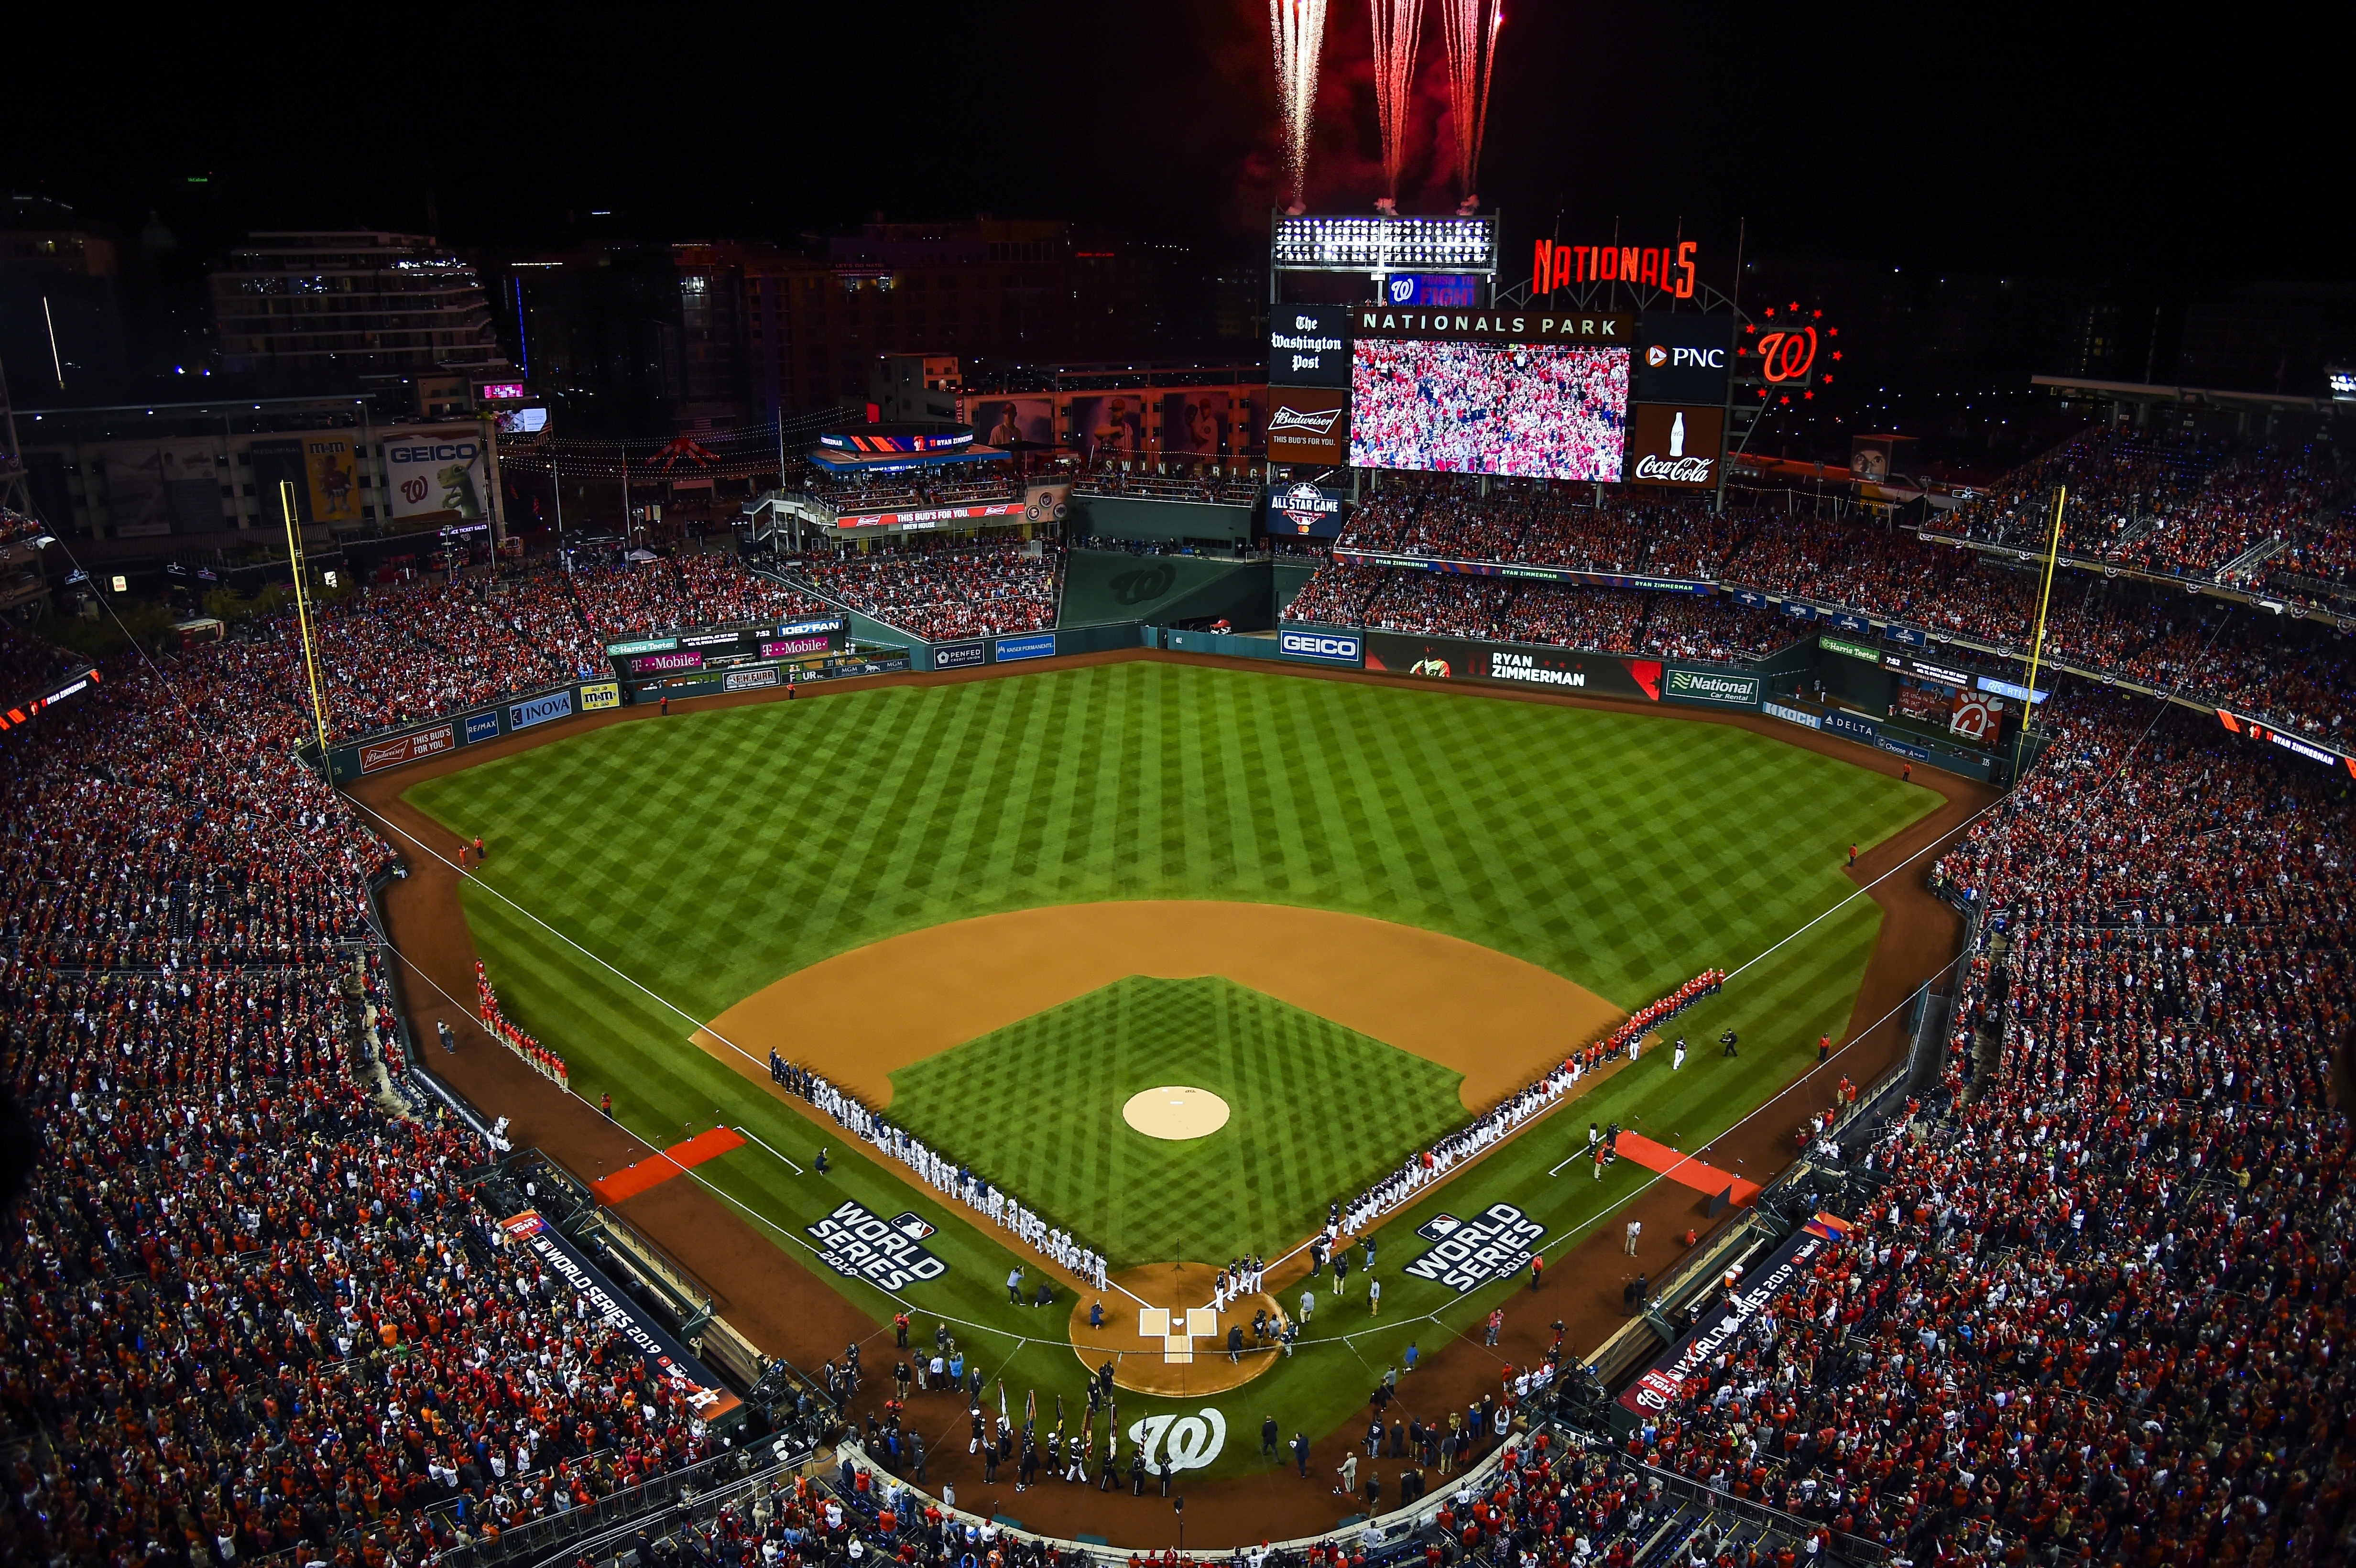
1318	422
407	748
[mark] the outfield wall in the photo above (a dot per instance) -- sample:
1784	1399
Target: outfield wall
407	743
1105	585
1139	518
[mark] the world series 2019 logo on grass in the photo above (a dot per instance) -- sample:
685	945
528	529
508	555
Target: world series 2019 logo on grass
1469	1254
857	1244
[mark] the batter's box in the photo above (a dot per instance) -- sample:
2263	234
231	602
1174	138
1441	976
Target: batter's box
1153	1322
1202	1323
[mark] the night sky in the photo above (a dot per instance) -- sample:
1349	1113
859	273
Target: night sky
2054	140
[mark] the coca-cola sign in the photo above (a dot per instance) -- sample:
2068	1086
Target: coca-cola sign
1675	445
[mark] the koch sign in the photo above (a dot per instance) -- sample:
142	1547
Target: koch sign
1469	1254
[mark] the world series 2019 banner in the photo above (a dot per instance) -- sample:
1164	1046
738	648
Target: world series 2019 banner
1656	1390
665	1358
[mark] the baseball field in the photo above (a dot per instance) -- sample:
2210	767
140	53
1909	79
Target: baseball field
1000	910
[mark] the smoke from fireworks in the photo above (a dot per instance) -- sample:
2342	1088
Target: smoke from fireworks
1399	28
1297	27
1472	56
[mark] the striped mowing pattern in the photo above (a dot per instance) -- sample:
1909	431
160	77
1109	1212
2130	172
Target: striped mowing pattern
1316	1111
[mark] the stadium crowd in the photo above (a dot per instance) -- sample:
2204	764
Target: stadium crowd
1167	481
1537	411
949	484
2095	1309
2294	674
254	1313
943	588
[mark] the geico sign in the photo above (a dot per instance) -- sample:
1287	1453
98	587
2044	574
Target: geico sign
439	452
1676	470
1661	355
1318	645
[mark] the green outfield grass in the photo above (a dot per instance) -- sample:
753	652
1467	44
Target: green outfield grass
699	857
1316	1111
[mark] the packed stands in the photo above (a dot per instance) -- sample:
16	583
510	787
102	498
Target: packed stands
942	588
2091	1313
231	1245
947	484
2176	505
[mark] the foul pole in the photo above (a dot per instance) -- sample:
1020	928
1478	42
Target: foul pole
302	615
2037	643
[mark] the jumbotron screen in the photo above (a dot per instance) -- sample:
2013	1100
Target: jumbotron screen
1531	411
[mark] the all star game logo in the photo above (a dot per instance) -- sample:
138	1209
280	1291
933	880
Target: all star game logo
1309	509
1467	1254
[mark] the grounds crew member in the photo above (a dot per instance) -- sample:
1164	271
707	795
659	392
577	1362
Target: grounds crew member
1270	1438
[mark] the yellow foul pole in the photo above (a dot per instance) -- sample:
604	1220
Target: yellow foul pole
302	615
2037	643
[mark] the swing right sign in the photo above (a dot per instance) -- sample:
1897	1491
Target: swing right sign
1675	445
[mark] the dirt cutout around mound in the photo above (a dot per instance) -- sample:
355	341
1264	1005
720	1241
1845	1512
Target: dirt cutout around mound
861	1016
1139	1362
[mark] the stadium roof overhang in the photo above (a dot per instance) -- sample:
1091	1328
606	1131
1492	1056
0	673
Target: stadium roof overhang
853	463
2205	397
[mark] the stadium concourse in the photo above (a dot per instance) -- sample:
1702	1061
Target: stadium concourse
2092	1312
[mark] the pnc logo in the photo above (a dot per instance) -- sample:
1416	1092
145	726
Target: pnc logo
1660	354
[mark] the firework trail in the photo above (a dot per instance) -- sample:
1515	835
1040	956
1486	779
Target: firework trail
1472	56
1297	27
1399	28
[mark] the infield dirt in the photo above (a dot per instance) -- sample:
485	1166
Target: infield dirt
789	1311
861	1016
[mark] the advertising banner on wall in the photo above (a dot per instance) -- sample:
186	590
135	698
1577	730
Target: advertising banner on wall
1550	669
166	487
1326	647
409	748
1308	424
1675	447
1682	357
1109	424
1712	688
1308	345
1002	422
1195	420
438	476
1304	511
1661	1384
331	465
665	1359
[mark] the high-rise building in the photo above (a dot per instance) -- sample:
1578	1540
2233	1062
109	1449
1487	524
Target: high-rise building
337	308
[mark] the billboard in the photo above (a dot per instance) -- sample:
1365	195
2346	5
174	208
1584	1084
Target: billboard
331	466
1308	425
1308	345
1675	447
1712	688
1002	422
1557	669
665	1360
1329	647
1196	421
167	486
1454	290
407	748
1305	511
1532	411
1038	646
1109	424
1682	358
438	476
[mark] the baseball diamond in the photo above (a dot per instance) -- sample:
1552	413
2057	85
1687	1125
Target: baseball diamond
995	910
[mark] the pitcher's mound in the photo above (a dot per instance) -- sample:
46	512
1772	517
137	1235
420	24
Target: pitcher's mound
1153	1349
1175	1111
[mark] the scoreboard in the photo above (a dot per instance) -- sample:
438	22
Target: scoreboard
697	662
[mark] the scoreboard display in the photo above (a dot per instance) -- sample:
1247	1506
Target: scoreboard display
696	662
